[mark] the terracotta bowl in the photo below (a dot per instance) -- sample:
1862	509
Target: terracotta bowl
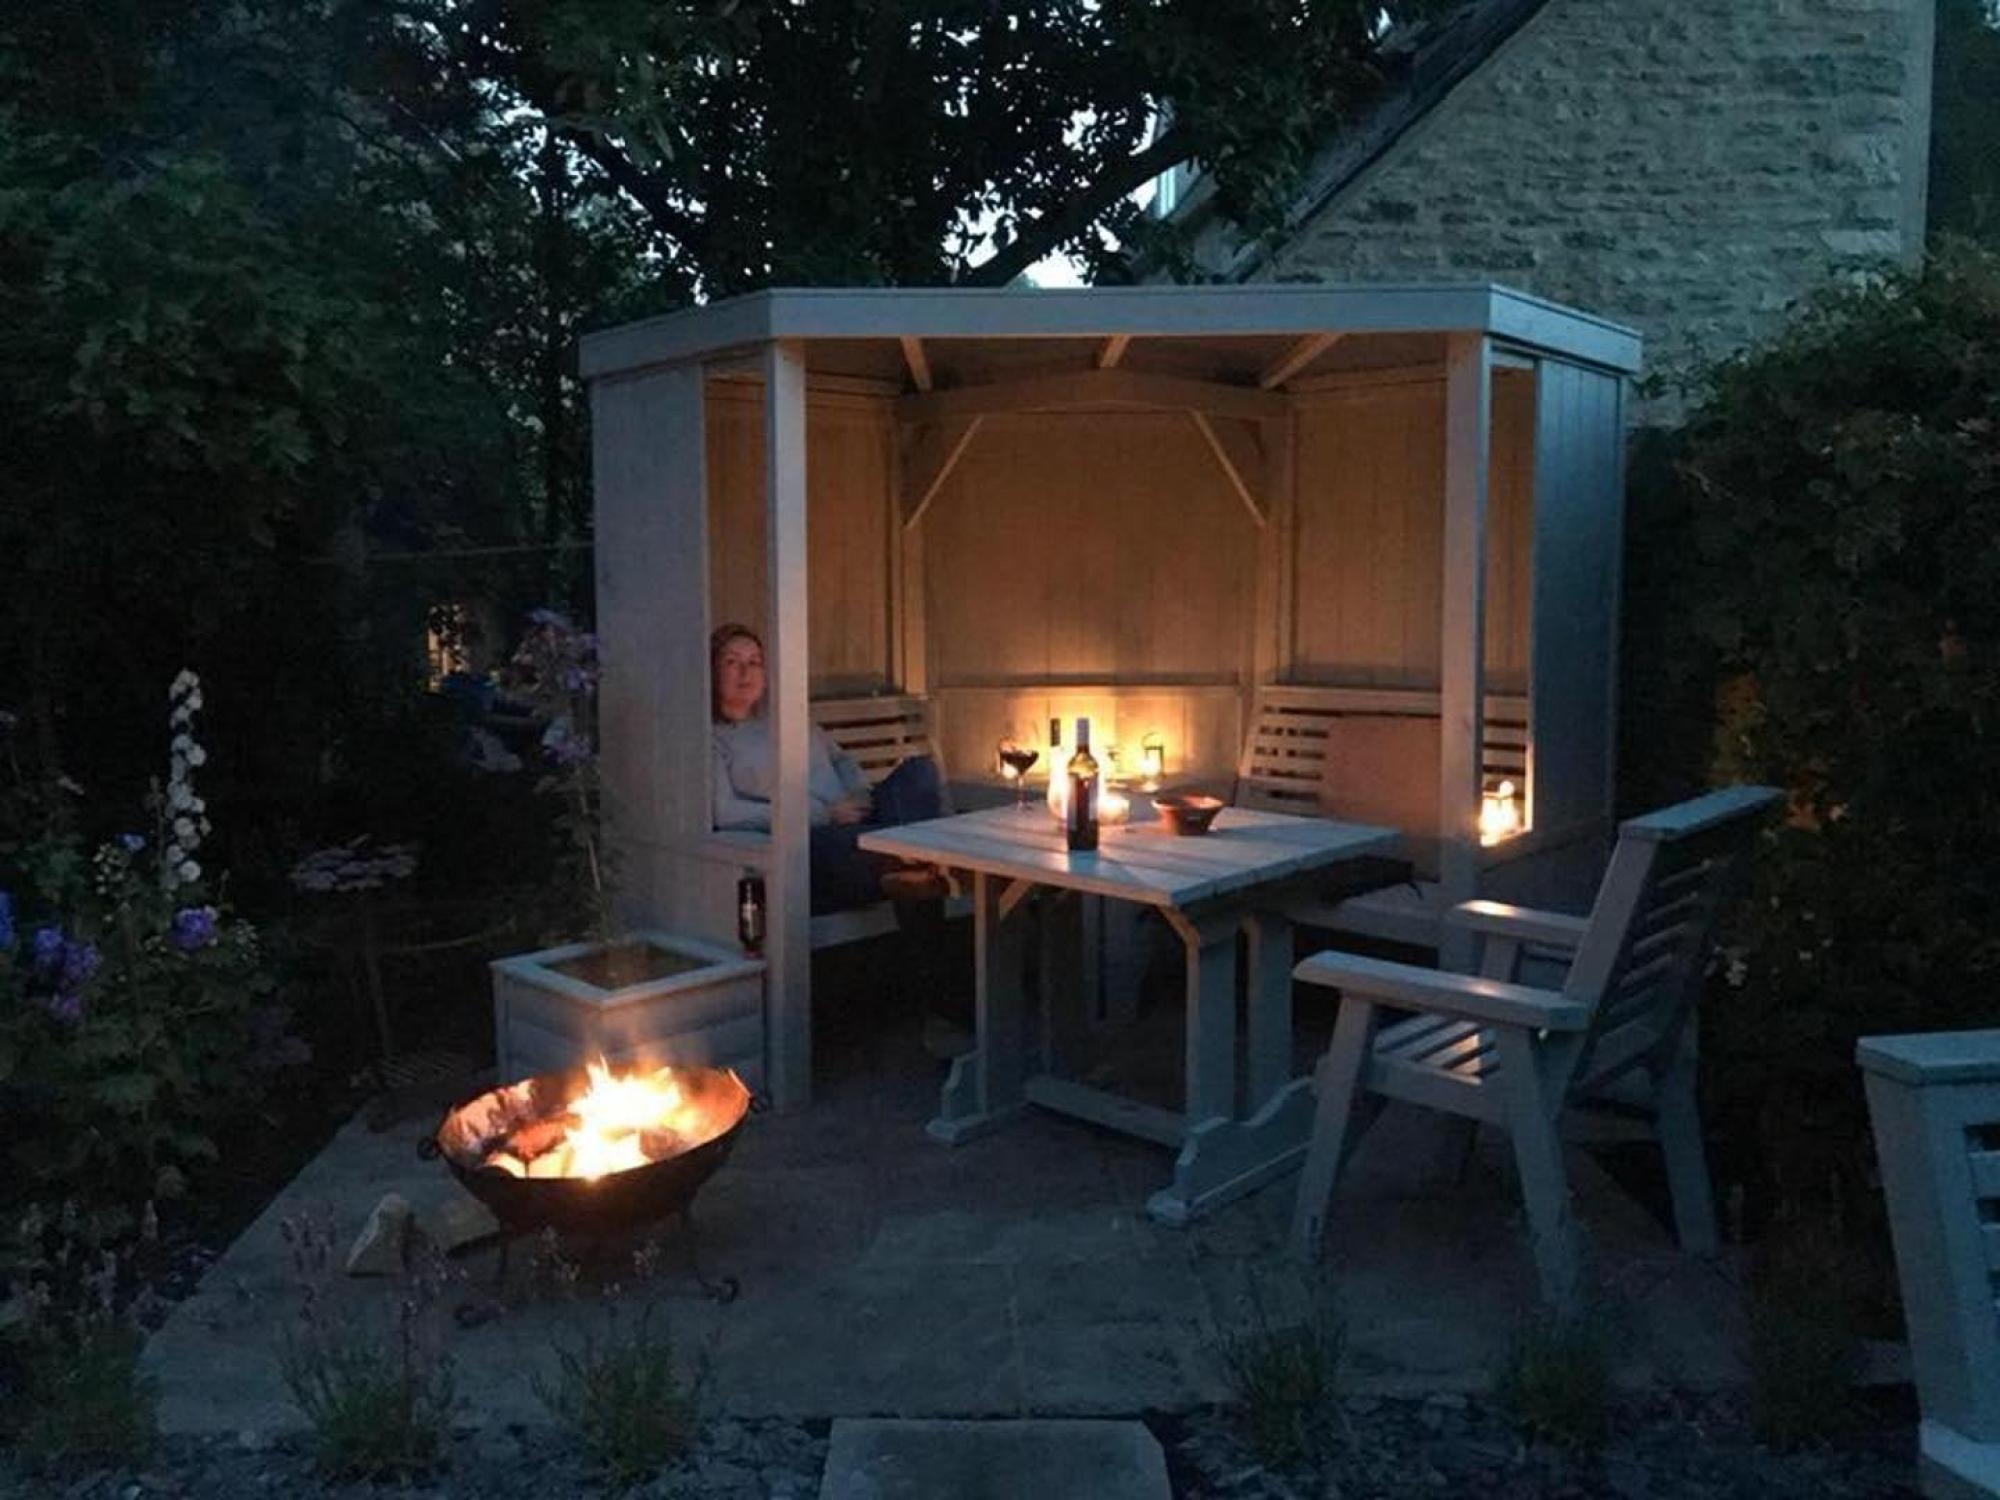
1188	812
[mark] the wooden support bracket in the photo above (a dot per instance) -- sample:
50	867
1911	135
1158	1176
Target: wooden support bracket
1113	350
930	462
1240	454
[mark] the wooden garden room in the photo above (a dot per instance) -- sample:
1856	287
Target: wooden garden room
1347	550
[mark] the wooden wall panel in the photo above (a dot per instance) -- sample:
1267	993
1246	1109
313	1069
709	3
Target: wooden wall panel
1202	726
1369	501
848	478
1101	547
1368	530
1510	531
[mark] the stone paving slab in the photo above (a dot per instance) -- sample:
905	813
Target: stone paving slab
1050	1460
885	1275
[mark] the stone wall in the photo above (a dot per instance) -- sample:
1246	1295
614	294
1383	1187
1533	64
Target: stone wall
1689	167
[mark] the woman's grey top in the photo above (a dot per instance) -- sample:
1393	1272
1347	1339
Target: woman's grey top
746	774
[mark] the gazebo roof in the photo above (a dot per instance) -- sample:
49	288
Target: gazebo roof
857	331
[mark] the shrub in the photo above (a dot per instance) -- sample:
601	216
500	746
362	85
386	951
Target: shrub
1286	1376
72	1358
623	1396
1555	1381
379	1400
1814	569
1804	1346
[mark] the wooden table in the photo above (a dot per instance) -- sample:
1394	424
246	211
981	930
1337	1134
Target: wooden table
1233	1135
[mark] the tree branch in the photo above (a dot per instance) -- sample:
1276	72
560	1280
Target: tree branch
667	216
1077	215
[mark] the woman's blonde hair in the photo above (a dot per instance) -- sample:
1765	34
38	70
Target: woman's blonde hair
718	642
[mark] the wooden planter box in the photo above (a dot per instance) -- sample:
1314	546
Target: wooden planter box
700	1004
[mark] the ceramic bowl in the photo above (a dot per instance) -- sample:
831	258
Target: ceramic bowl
1188	812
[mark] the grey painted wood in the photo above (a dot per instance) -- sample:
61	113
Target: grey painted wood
1101	312
1461	689
649	495
1579	448
1494	1049
1934	1101
787	660
1141	862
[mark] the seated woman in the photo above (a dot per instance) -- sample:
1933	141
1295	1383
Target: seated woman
844	806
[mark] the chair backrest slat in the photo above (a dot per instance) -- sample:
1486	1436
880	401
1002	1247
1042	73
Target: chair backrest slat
1651	932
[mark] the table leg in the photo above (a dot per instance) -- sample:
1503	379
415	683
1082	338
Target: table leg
1067	952
1223	1157
984	1088
1270	1006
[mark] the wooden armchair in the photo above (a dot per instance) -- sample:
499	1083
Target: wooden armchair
1487	1049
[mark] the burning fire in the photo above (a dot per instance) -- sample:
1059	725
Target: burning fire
620	1122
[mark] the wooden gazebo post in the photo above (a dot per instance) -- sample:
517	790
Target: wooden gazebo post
1468	428
788	951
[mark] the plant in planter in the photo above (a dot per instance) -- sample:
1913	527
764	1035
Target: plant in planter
631	995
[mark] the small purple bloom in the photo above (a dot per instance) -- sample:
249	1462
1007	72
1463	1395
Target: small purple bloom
546	617
66	1008
79	963
194	927
6	922
132	842
47	947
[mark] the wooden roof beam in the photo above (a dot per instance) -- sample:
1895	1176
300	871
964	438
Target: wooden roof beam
1074	388
1296	358
919	363
1112	350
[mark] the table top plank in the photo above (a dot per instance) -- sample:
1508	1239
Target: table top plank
1141	862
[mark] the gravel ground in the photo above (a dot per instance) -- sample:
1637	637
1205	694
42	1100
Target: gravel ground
1671	1445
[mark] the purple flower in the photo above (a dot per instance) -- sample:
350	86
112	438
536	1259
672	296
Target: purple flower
80	961
66	1008
6	922
132	842
47	947
194	927
546	617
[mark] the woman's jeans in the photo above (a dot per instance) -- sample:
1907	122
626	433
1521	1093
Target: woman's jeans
844	875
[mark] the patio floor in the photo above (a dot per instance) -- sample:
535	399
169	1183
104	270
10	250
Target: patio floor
885	1275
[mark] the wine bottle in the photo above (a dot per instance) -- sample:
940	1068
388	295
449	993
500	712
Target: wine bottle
1080	818
750	912
1058	792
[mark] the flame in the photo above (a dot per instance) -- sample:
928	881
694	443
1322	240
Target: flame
620	1122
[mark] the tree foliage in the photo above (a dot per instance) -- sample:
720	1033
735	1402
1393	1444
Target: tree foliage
1822	566
1965	108
913	141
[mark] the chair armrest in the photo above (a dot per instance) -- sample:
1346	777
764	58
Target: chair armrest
1464	995
1552	929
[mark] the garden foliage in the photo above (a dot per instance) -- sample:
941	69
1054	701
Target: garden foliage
137	1021
1815	574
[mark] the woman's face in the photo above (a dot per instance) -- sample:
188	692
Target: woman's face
739	678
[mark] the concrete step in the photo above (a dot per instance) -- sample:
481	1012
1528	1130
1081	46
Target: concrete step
871	1459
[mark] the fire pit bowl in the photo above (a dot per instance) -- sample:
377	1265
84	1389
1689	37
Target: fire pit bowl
474	1134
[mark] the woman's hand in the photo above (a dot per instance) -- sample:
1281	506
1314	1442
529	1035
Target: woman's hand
854	809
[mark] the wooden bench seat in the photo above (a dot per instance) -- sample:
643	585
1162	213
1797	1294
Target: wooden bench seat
1284	766
880	731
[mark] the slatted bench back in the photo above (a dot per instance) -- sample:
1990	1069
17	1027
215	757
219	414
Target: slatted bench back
879	732
1284	755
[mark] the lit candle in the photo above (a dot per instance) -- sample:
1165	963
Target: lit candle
1113	807
1499	814
1153	758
